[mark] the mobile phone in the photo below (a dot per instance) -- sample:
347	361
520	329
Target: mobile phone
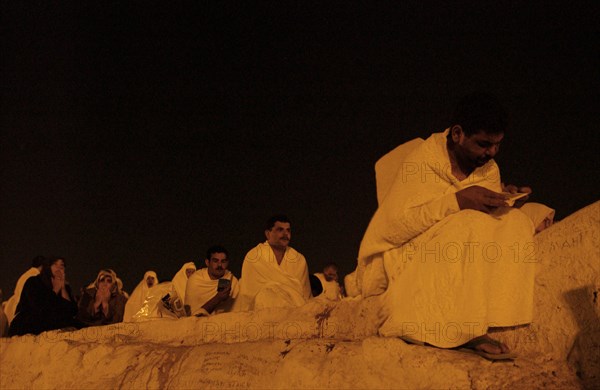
223	284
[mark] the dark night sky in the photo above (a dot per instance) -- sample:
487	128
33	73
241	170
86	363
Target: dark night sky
134	138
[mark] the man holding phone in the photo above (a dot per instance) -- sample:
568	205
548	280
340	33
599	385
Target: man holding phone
214	288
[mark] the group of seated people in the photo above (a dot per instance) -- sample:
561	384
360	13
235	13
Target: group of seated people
273	275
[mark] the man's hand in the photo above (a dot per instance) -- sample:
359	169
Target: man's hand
479	198
513	189
59	284
58	281
219	297
223	294
103	293
102	298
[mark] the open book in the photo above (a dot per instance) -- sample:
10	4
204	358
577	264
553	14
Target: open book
510	198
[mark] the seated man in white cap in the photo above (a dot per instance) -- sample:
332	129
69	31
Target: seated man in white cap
213	289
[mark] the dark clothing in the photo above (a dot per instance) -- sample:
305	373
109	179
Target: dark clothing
91	316
41	309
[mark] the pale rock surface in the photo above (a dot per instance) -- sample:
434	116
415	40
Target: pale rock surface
328	344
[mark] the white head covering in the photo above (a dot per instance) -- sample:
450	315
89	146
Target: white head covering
106	272
120	287
541	215
180	280
138	296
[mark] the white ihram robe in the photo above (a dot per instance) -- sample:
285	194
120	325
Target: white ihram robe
265	283
201	288
449	274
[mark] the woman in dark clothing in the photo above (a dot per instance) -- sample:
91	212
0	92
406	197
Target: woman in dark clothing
46	302
102	302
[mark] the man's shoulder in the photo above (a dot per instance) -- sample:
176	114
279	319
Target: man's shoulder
87	295
120	297
34	281
91	291
31	272
123	297
293	254
199	274
257	251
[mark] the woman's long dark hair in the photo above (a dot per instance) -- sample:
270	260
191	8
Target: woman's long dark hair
46	273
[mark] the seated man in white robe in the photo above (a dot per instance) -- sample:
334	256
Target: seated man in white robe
329	280
453	259
11	305
273	273
213	289
138	296
181	278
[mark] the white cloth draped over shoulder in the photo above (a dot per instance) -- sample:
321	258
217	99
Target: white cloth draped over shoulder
331	289
449	274
351	286
138	297
201	288
265	283
11	305
180	280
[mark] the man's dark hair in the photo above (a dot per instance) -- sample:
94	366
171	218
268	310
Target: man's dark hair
276	218
46	273
216	249
480	112
37	261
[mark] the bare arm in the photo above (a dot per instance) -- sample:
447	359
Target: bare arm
219	297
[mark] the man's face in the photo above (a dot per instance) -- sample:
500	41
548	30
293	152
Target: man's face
106	282
150	280
217	265
479	148
279	235
58	268
330	274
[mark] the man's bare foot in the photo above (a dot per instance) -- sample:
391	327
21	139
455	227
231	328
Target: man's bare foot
488	345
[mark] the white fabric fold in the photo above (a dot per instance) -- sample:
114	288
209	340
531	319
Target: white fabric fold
449	274
422	194
138	297
11	305
331	288
541	215
180	280
201	288
266	284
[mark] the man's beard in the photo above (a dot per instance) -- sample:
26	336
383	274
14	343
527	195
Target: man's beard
482	161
